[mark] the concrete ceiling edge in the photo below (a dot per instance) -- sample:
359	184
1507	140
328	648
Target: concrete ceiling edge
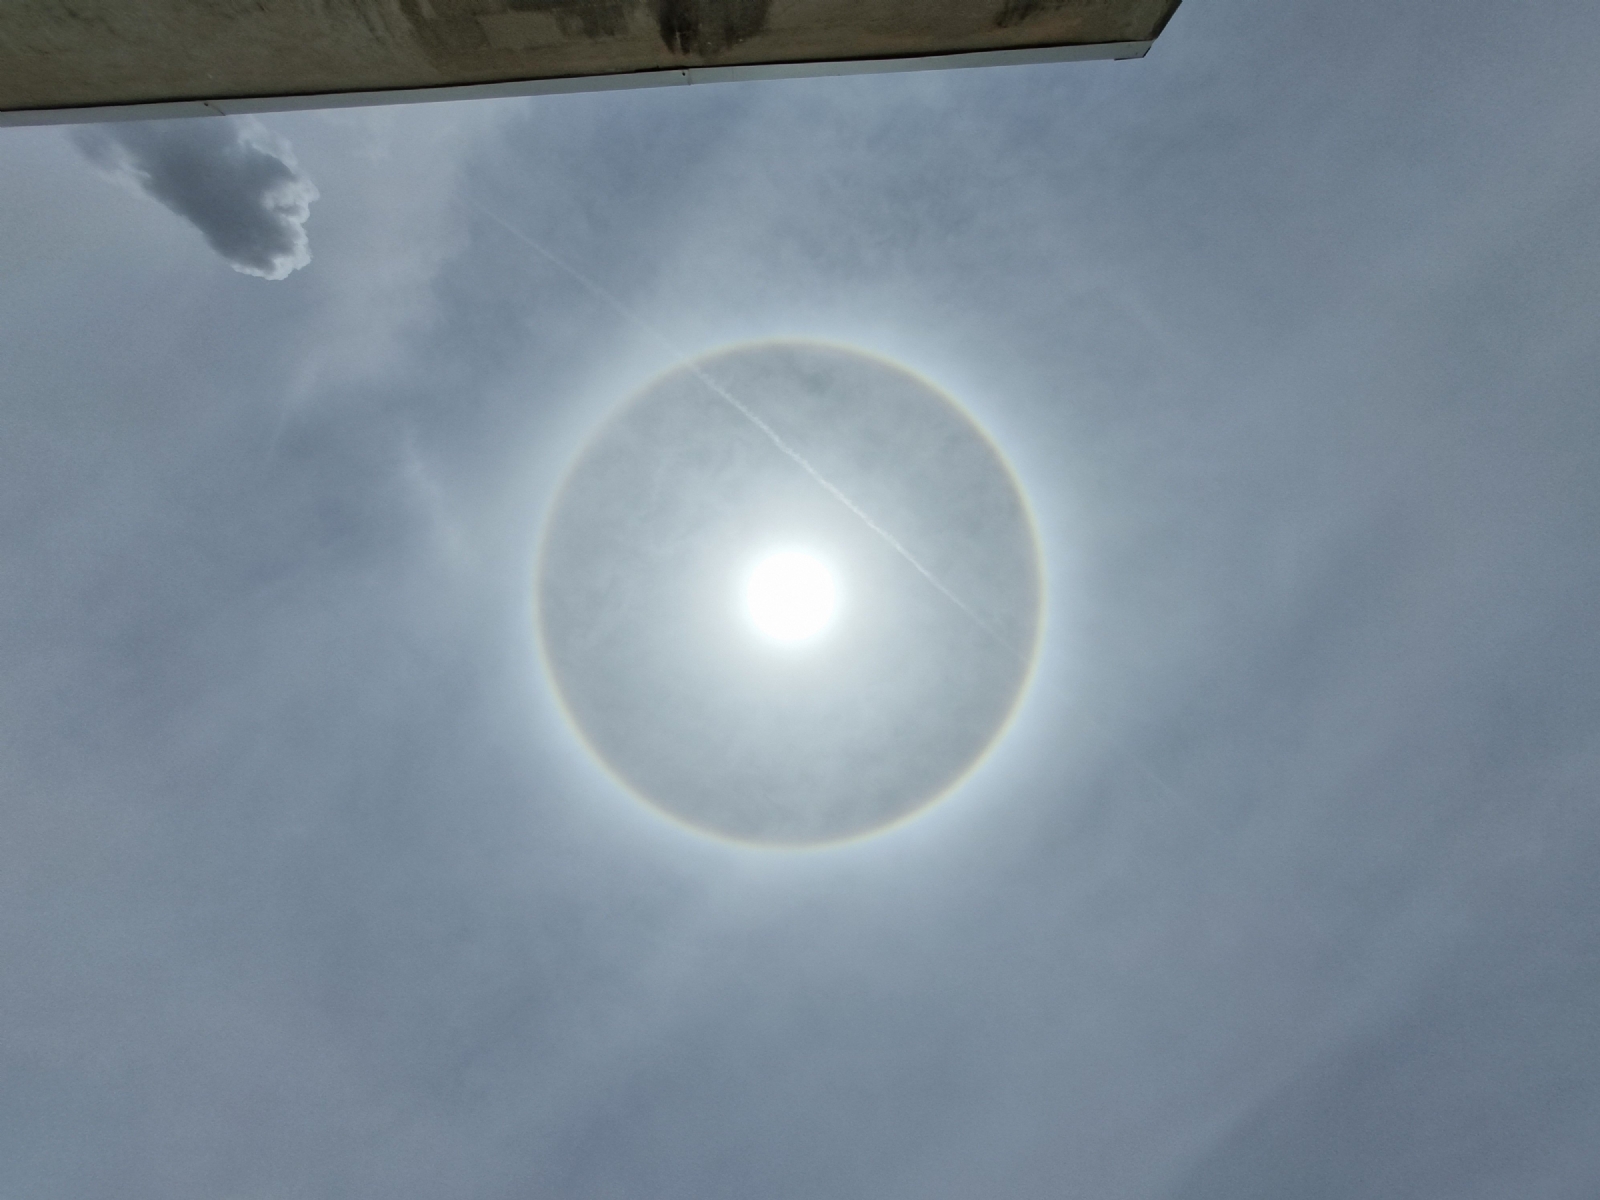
162	109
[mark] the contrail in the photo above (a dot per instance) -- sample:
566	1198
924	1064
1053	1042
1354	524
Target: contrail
744	410
799	459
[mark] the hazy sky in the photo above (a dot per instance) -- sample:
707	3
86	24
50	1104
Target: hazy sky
1286	881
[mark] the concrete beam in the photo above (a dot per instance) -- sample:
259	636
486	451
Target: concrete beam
96	60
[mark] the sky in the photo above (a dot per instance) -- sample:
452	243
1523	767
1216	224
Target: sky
1285	880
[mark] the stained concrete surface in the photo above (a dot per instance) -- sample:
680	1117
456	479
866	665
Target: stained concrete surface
67	54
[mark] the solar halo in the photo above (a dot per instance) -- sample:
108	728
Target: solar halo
789	594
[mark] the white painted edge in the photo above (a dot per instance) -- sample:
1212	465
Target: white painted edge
582	83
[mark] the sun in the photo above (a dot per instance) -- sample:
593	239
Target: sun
791	596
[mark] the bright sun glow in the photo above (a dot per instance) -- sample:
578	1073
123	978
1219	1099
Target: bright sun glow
790	596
